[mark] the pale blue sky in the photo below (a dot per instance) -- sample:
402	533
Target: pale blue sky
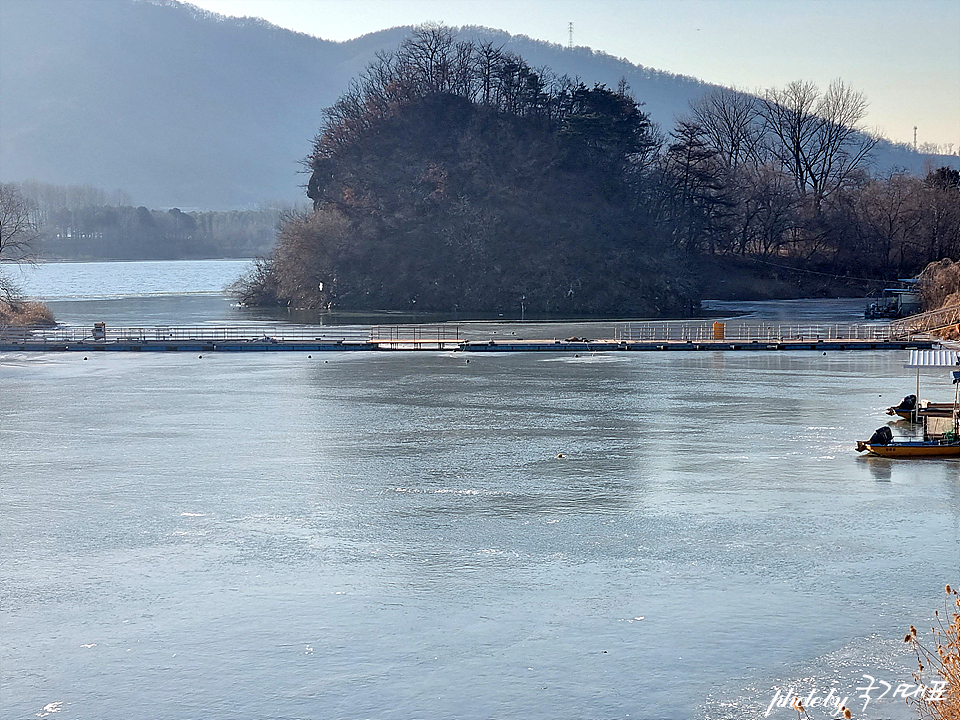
903	54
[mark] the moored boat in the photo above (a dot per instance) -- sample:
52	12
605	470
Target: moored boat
907	409
910	409
941	430
913	449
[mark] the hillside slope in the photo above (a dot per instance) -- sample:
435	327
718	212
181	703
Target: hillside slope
179	107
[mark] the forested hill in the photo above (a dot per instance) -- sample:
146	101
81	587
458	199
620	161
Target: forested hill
454	177
182	108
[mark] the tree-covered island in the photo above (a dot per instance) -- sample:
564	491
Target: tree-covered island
453	177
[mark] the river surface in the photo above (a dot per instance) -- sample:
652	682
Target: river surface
411	535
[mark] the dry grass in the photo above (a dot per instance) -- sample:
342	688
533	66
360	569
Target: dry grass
939	284
25	313
940	662
802	714
940	287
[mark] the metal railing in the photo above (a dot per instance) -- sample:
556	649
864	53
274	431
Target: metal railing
180	333
418	335
925	322
100	333
749	332
437	336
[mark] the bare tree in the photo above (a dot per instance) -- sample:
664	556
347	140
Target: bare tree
889	213
731	122
426	59
763	210
19	230
941	209
817	137
489	61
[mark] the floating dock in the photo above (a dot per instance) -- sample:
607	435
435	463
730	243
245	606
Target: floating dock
656	336
690	345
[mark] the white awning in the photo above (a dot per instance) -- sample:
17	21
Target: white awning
933	359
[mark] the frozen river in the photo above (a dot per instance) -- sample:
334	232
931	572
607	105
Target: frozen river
408	535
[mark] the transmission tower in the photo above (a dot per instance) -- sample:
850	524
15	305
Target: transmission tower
569	36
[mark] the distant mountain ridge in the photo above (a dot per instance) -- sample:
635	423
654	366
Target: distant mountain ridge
181	107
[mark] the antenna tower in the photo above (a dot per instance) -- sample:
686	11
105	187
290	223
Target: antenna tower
569	36
914	137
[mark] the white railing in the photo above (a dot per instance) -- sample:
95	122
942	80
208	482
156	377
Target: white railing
437	336
748	332
925	322
415	334
416	337
101	333
181	333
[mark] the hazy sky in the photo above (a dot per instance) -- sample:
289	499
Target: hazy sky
903	54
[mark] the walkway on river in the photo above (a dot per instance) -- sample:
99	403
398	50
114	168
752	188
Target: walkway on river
636	336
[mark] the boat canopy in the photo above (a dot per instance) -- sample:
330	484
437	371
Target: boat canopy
933	359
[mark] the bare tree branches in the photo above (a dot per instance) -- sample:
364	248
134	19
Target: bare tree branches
432	61
19	230
732	123
789	164
817	137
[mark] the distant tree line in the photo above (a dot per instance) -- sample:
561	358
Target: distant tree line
84	222
453	176
787	176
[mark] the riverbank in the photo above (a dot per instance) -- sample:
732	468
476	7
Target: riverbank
747	278
152	293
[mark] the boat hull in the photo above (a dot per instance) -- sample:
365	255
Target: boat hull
917	449
925	409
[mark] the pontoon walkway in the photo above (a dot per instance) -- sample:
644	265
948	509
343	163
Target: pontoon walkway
640	336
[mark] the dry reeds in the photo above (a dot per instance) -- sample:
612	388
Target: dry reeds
25	313
938	666
939	284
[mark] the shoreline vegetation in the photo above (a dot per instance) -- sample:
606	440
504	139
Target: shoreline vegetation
939	285
19	233
25	313
938	663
